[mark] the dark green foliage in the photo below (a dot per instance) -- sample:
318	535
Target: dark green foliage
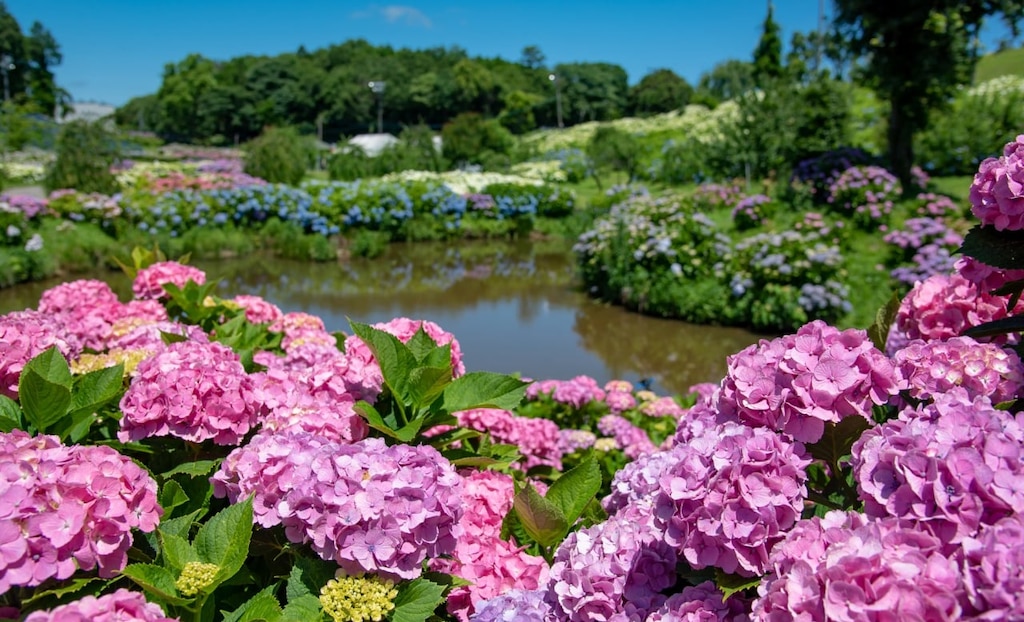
279	156
768	55
614	149
592	91
659	91
85	153
470	138
726	80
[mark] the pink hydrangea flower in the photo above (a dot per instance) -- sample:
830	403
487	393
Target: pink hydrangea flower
948	467
148	335
993	565
192	390
985	277
539	440
23	336
665	406
121	606
68	508
494	566
700	603
934	367
367	506
514	605
942	307
872	570
75	295
258	310
312	400
997	194
796	383
633	440
149	282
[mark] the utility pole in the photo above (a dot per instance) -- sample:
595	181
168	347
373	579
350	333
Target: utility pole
377	86
6	64
558	97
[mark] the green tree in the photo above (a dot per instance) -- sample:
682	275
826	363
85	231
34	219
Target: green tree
614	149
659	91
768	54
12	44
471	138
532	57
726	80
917	52
517	115
43	54
85	153
183	87
278	155
593	91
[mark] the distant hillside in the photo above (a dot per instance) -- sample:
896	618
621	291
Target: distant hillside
1007	62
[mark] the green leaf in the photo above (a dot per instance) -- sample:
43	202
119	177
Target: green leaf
74	428
171	495
169	338
542	519
838	438
302	609
1012	324
45	389
307	576
198	468
426	384
421	345
512	527
732	583
999	249
10	415
483	389
408	432
575	489
66	588
224	539
396	360
878	332
177	551
156	581
417	600
97	388
262	606
373	418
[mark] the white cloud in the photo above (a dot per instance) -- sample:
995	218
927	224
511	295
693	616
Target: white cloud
396	13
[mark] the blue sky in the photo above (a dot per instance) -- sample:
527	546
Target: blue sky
116	49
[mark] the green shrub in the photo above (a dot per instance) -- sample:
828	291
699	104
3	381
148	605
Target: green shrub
368	244
349	164
614	149
85	153
470	138
278	155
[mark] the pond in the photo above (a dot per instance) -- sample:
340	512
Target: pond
513	306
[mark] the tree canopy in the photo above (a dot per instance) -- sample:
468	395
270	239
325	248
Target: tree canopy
30	80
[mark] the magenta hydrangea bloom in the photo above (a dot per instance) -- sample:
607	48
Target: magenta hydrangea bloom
313	400
700	603
985	277
577	392
665	406
619	401
602	571
302	328
68	508
75	295
943	307
993	567
149	282
796	383
23	336
730	496
575	440
948	467
633	440
997	194
539	440
874	570
121	606
258	310
494	566
635	489
367	506
933	367
404	328
192	390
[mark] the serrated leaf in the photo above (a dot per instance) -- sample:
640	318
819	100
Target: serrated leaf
262	606
66	588
417	600
733	583
302	609
426	384
307	576
408	432
169	338
177	551
224	539
156	581
446	580
44	389
180	526
878	332
171	495
999	249
838	439
373	419
483	389
198	468
575	489
1003	326
511	527
97	388
396	360
10	415
542	519
422	345
73	428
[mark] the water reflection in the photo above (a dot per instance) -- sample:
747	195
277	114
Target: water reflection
512	305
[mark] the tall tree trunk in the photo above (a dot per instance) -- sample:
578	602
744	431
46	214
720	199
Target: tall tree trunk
901	144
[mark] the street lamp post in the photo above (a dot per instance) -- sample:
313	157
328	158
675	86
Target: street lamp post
558	97
377	86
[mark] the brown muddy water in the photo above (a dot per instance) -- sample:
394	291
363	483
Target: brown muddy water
513	306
